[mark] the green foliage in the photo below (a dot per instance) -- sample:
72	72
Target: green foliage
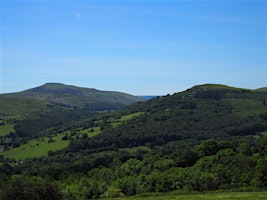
261	172
113	193
207	138
184	116
262	146
208	181
24	188
48	109
131	168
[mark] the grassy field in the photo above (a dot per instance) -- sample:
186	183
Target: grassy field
117	122
205	196
6	129
36	148
246	107
40	147
89	132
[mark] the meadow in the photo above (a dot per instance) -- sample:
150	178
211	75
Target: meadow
41	146
205	196
36	148
5	129
124	118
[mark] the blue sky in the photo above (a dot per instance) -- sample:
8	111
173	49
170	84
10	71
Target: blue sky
141	47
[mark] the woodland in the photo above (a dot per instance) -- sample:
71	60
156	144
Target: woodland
207	138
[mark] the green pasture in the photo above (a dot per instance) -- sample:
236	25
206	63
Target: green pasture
205	196
96	130
117	122
36	148
246	107
40	147
130	116
6	129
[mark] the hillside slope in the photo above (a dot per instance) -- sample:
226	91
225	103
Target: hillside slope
202	112
207	138
49	108
77	97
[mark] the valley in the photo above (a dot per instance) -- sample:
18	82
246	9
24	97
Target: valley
208	138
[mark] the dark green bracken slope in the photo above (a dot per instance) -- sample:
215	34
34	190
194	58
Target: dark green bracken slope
200	113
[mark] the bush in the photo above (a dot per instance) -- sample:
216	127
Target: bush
114	193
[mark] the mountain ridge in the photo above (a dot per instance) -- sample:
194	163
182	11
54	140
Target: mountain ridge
74	96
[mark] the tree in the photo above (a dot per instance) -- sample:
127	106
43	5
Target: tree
208	147
24	188
208	181
128	185
262	147
244	149
261	172
132	167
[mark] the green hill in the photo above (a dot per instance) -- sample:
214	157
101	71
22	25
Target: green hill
77	97
264	89
202	112
207	138
48	109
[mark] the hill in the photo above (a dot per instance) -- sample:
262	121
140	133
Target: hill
209	137
46	110
264	89
202	112
77	97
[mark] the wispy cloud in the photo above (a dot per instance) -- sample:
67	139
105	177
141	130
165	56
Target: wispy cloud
77	15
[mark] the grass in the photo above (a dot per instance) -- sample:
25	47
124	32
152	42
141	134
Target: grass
36	148
117	122
6	129
20	108
130	116
96	131
40	147
246	107
205	196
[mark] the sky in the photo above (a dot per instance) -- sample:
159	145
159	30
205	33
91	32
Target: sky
140	47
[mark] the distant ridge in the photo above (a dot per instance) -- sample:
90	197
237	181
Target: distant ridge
263	89
77	97
211	86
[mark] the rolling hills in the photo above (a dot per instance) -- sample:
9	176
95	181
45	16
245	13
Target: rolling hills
47	109
209	137
200	113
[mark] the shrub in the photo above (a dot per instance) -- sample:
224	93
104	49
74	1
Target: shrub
114	193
